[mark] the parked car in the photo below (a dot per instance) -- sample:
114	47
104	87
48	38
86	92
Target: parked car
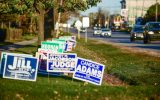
83	30
97	31
106	32
136	33
151	32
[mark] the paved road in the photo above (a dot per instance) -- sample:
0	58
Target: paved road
123	39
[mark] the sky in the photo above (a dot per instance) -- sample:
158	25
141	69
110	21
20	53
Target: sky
113	6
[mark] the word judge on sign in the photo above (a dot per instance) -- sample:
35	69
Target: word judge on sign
64	62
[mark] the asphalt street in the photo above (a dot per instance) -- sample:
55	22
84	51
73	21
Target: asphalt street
123	39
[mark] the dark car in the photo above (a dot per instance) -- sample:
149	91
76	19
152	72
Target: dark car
151	32
136	33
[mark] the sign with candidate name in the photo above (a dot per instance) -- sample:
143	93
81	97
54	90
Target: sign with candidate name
3	59
20	67
89	71
64	42
64	62
54	46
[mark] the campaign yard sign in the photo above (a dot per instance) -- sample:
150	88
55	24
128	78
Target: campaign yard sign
64	62
42	56
20	67
70	40
3	59
63	42
89	71
42	64
54	46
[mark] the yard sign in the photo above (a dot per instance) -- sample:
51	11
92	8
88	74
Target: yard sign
54	46
89	71
42	66
20	67
64	62
3	59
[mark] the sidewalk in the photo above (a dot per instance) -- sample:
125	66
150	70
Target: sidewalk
17	45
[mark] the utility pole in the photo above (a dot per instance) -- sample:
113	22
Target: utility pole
156	10
142	9
136	8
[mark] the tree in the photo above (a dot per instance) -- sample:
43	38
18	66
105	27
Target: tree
41	7
151	14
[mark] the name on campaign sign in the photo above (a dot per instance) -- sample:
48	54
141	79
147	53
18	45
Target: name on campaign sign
89	71
49	45
3	59
20	67
64	62
62	42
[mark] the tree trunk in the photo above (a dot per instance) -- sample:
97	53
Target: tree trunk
40	27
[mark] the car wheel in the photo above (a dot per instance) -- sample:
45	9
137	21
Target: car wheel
132	39
146	39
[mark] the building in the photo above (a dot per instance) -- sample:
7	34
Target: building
138	8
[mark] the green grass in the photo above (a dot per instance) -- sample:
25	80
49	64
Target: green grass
28	36
65	88
141	72
136	69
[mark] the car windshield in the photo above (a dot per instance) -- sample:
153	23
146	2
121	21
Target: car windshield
105	29
154	26
138	29
97	28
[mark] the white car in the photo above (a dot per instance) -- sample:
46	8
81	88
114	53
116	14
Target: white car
105	32
83	30
97	31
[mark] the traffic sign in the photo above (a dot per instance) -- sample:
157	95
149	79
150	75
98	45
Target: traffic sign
85	22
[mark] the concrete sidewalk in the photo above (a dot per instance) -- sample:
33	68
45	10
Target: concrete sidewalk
18	45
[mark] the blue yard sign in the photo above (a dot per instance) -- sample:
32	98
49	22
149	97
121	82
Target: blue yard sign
3	59
89	71
20	67
64	62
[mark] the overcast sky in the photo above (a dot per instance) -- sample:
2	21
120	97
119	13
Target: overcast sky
110	5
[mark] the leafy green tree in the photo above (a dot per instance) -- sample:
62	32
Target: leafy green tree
41	7
151	14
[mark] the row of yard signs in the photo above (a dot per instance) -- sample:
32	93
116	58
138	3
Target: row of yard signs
51	58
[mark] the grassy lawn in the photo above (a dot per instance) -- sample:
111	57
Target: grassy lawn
140	72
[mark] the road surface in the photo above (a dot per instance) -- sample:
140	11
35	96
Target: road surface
122	38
